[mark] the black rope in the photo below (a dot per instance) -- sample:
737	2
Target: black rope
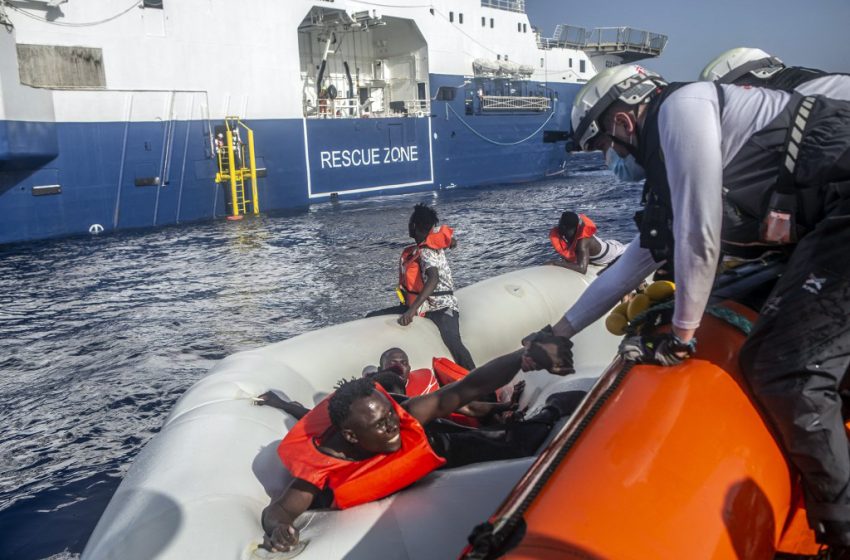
485	539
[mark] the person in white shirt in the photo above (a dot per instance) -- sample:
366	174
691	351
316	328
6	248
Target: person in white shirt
727	168
746	66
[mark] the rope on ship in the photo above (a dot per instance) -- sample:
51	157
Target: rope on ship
730	316
496	142
488	539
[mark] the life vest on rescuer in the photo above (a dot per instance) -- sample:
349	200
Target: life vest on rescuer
409	269
801	192
586	229
357	482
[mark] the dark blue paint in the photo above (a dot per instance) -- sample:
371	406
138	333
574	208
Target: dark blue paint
99	164
25	143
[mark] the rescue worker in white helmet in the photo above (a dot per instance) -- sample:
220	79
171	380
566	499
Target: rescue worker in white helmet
746	66
731	172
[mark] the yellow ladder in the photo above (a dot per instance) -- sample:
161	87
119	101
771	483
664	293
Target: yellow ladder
233	168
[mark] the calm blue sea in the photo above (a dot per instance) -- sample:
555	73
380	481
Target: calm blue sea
100	335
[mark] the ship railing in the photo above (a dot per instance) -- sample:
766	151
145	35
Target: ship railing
350	107
514	103
625	39
570	36
546	43
339	108
604	40
507	5
418	107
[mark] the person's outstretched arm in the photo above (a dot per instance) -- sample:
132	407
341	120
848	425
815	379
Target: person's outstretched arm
605	292
269	398
278	517
479	382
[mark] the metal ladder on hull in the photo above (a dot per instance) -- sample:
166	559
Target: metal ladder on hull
235	169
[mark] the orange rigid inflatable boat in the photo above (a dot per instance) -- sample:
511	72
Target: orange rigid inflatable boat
658	463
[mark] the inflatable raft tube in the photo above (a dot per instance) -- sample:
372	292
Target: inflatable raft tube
198	487
658	463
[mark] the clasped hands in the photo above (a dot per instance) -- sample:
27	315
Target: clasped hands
545	350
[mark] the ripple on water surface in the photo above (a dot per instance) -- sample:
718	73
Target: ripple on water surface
101	335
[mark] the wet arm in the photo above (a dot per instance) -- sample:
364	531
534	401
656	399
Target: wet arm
432	276
478	383
269	398
278	517
582	257
480	409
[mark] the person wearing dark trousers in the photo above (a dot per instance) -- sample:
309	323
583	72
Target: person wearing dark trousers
729	169
426	284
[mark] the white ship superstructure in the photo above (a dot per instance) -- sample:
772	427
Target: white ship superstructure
122	114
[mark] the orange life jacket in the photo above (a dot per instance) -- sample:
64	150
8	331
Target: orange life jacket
409	269
586	228
421	382
447	371
357	482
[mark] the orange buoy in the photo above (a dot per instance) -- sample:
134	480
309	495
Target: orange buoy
661	462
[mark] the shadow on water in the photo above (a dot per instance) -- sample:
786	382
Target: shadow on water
55	521
102	334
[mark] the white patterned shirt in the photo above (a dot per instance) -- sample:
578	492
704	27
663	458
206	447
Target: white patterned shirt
436	258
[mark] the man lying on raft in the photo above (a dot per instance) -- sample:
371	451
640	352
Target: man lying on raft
575	240
487	413
423	381
360	445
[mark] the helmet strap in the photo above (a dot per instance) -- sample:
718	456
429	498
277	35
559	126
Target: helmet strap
629	147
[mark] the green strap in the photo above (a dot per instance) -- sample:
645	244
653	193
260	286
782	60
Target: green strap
723	313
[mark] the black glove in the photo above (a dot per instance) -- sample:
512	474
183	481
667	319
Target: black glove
662	349
550	352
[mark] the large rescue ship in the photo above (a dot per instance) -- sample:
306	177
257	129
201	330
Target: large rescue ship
136	113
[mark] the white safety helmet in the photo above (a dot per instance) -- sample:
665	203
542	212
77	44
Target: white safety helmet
630	83
734	63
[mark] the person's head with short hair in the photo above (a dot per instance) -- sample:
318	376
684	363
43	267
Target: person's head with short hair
421	221
396	359
568	225
364	416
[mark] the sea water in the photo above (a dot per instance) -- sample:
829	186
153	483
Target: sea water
100	335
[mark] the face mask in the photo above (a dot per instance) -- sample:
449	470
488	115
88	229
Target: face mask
626	169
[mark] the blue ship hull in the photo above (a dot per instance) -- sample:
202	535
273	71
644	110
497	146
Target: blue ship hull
121	175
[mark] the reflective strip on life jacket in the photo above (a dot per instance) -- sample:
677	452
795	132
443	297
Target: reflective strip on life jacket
357	482
586	229
421	382
410	270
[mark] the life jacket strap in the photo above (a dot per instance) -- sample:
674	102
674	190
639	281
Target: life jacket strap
438	293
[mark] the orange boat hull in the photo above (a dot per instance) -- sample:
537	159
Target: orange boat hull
673	463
